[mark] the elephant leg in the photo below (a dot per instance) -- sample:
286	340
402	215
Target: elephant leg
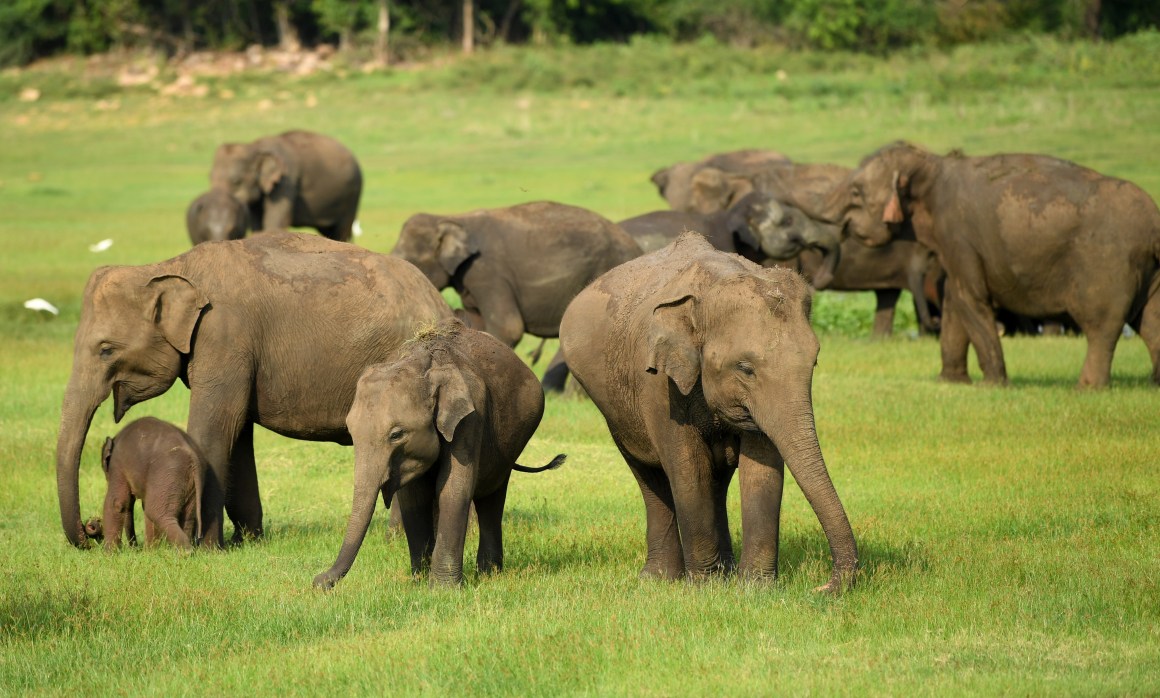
977	315
1102	330
665	558
342	230
130	530
417	506
118	502
498	307
243	501
189	520
453	490
278	211
150	532
953	342
762	472
395	517
1149	329
489	512
556	374
721	479
167	523
885	301
216	419
688	465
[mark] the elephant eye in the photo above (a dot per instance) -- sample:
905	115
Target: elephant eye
397	434
745	367
106	351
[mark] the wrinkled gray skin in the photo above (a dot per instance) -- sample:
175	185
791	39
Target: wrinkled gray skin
819	250
516	268
156	462
297	178
445	422
215	215
1041	237
674	183
274	330
756	227
702	364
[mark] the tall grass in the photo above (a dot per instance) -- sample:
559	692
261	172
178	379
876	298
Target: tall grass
1007	537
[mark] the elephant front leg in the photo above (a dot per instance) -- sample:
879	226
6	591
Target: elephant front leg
664	558
453	491
416	504
978	318
687	462
216	418
953	342
762	472
721	479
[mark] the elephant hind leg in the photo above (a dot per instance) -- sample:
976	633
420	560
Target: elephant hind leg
665	558
885	301
489	512
1149	329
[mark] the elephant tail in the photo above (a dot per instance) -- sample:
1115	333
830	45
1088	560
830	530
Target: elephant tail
556	463
538	351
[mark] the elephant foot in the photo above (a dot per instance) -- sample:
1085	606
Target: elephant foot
653	570
954	376
839	583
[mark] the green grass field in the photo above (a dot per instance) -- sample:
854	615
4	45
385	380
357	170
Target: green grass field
1008	537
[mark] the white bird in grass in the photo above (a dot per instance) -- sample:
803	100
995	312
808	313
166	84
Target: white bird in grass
101	246
41	304
356	229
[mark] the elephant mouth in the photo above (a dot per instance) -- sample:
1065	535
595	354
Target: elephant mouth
739	417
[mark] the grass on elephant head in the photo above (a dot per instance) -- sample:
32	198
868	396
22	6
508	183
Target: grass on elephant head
1008	538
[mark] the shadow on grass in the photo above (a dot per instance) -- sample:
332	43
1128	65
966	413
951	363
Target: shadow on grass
878	561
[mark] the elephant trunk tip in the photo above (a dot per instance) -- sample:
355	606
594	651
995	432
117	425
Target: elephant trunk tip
93	529
327	580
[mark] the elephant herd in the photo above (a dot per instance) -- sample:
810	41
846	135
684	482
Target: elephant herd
695	346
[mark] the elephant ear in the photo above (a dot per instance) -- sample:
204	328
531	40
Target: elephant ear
673	348
893	211
661	179
106	454
710	191
455	246
177	306
271	168
452	398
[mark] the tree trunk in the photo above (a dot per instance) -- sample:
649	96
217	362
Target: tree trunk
382	55
505	27
287	34
468	26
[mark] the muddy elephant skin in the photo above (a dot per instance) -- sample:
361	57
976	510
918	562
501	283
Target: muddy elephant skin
1035	235
297	178
274	330
702	364
442	426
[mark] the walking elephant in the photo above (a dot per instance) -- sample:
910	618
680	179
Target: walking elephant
674	183
516	268
442	426
702	364
297	178
272	330
1041	237
156	462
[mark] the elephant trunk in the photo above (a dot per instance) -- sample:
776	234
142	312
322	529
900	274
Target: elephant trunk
80	404
797	440
366	492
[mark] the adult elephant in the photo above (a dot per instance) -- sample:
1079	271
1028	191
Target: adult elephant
297	178
516	268
674	183
818	248
272	330
702	364
1035	235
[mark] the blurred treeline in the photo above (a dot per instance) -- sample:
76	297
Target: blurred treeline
31	29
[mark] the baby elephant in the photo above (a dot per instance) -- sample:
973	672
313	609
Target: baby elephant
215	215
156	462
442	427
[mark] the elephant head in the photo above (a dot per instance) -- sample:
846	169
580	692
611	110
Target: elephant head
248	171
402	415
438	246
872	201
712	190
746	340
216	215
136	326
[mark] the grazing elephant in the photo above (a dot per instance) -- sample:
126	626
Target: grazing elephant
297	178
274	330
674	183
445	422
702	363
156	462
215	215
1035	235
516	268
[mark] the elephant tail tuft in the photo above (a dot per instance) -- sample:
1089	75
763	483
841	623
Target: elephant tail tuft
556	463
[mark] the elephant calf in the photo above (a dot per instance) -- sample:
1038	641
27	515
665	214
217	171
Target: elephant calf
156	462
215	215
441	427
